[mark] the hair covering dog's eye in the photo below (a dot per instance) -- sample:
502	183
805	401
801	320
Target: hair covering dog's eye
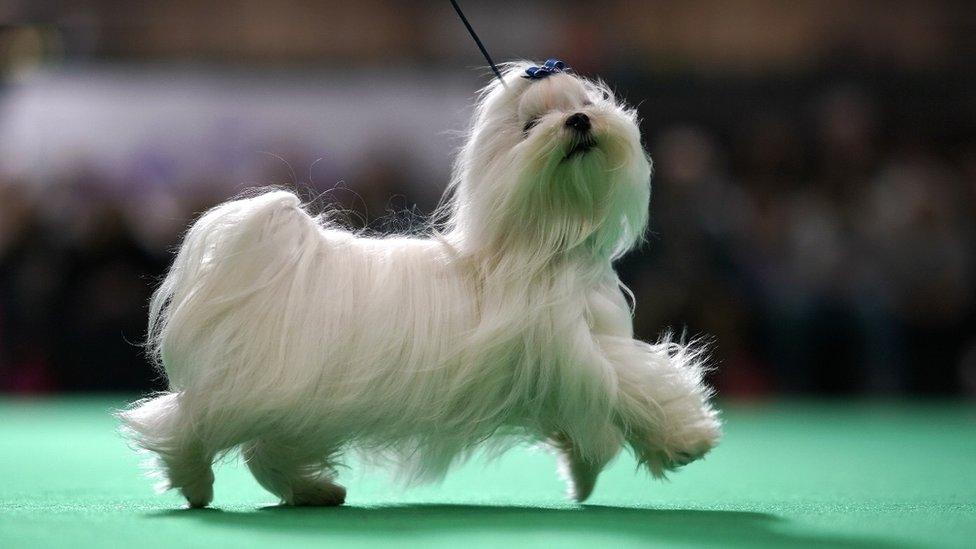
530	124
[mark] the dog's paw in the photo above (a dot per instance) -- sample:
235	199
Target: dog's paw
318	494
579	476
681	444
198	494
578	472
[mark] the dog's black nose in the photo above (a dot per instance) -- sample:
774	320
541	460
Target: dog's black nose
579	122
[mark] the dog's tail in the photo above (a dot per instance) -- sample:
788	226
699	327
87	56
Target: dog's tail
229	254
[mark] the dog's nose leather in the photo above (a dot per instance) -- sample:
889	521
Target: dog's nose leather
579	122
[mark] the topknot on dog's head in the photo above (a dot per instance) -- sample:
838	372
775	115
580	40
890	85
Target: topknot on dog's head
529	88
551	66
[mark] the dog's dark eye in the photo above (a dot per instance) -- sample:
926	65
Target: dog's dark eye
530	124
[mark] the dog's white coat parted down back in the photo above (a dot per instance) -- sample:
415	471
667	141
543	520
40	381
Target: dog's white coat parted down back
296	341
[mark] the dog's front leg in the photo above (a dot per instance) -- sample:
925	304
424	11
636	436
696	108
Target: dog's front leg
662	402
580	466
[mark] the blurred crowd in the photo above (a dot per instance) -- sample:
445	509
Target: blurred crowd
814	197
825	252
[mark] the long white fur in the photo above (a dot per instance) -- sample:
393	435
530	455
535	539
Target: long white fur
288	337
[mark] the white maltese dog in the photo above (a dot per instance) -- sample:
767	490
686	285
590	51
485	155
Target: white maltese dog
297	341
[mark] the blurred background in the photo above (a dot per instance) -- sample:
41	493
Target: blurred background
814	202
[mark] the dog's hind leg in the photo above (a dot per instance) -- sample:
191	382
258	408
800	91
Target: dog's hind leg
293	474
580	468
191	471
183	461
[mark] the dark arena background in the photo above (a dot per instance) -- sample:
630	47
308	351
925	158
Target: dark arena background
813	217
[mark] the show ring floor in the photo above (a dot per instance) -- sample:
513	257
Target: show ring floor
787	474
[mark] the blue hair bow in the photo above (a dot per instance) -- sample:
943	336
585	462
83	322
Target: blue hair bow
551	66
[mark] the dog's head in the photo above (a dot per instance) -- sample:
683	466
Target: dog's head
553	164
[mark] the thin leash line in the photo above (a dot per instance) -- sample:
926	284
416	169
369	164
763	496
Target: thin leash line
477	41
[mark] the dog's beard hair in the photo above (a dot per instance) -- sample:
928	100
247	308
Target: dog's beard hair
419	350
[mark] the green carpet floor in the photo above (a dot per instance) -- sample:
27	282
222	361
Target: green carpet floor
789	474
